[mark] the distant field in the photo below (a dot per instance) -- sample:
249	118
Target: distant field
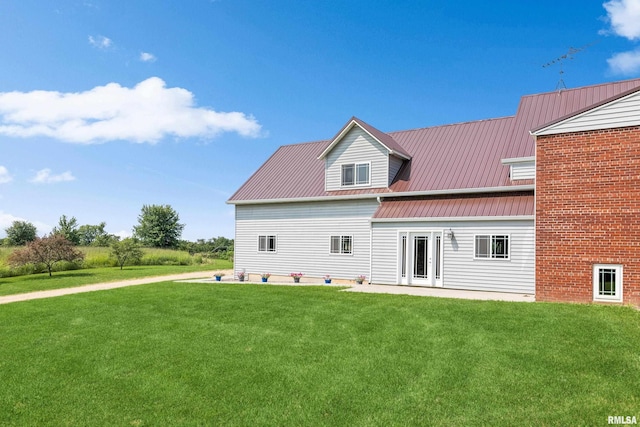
96	257
237	354
73	278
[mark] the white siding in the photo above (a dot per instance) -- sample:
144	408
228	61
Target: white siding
357	147
395	164
461	270
525	170
303	233
620	113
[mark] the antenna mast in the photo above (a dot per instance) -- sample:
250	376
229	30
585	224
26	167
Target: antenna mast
560	60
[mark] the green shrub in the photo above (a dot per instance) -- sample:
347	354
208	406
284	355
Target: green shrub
98	257
23	270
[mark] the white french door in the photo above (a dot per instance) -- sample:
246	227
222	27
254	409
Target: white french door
420	258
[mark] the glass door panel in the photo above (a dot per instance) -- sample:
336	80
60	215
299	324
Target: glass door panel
421	257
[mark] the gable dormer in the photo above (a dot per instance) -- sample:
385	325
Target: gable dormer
360	157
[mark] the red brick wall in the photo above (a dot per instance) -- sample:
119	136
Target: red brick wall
587	212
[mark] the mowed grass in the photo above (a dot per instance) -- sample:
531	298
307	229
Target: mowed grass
220	354
73	278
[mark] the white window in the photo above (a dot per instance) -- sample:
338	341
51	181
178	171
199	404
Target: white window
341	244
607	282
266	243
355	174
491	246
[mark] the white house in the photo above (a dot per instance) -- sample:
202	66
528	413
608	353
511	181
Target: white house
450	206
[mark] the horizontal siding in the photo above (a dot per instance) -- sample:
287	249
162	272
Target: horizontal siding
621	113
523	171
303	233
461	270
357	147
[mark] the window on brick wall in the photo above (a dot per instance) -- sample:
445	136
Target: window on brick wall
607	282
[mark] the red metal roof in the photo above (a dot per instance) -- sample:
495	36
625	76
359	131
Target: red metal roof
451	157
481	206
539	110
465	155
293	171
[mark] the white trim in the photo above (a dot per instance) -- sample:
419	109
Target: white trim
552	128
513	160
513	188
346	129
456	218
409	264
619	283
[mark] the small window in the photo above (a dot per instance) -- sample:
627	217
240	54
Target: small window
266	243
607	282
355	174
341	244
492	246
362	174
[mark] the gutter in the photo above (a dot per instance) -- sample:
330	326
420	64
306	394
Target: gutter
456	218
457	191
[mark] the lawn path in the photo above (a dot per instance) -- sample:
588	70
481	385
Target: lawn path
103	286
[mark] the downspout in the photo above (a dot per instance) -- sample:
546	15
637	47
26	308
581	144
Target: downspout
379	200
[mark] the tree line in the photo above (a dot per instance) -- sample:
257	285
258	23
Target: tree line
158	226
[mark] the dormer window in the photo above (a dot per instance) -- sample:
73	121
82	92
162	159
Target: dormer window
355	174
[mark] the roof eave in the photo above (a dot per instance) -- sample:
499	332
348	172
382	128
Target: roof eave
458	218
453	192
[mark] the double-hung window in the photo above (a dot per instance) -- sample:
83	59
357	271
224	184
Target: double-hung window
266	243
355	174
341	245
492	246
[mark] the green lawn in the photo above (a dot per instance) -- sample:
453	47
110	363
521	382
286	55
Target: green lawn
220	354
72	278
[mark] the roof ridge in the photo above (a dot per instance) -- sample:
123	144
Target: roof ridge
551	92
304	143
453	124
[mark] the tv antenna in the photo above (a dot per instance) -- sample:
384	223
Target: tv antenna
561	59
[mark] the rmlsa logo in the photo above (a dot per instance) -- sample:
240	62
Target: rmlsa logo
621	420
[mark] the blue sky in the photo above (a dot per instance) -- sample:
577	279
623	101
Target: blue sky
109	105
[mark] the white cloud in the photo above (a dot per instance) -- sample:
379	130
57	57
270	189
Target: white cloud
6	220
147	112
4	175
624	17
101	42
147	57
626	63
44	177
